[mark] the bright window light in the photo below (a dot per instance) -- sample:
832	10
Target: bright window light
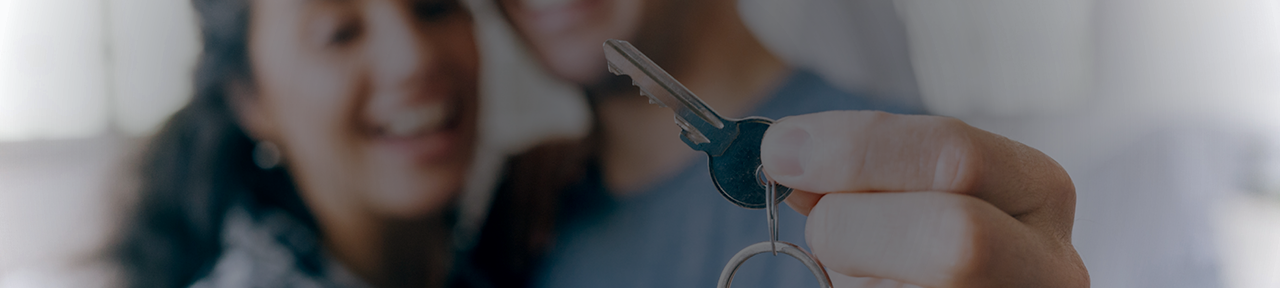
75	68
52	70
154	44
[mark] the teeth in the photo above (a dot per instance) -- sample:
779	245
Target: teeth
412	122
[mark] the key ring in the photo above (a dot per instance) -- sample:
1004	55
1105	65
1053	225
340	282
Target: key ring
726	276
771	208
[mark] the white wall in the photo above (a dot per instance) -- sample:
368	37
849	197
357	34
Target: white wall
84	68
153	47
72	74
52	69
1164	146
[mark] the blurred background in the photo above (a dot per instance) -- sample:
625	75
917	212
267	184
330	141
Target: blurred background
1166	113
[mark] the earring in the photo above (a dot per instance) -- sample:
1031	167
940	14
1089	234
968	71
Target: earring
266	155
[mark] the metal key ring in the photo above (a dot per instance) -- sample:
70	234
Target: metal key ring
726	276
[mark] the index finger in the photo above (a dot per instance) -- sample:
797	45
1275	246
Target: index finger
868	151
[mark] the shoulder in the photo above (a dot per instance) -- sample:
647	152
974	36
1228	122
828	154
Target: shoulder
270	249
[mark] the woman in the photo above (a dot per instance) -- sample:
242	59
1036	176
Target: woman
325	146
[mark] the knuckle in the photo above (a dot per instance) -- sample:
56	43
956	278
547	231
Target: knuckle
957	164
960	221
818	226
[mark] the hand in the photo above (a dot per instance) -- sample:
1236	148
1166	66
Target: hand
926	200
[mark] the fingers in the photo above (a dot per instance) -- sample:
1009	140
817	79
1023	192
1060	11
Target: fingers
844	281
867	151
802	201
935	239
1001	215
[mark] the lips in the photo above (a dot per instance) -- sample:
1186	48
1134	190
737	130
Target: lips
424	134
415	121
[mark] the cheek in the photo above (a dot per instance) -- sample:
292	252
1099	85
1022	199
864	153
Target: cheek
339	165
318	117
314	107
310	99
459	58
460	54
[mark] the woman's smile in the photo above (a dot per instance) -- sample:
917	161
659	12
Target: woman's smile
424	134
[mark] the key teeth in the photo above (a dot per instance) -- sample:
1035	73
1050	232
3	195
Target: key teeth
614	69
652	100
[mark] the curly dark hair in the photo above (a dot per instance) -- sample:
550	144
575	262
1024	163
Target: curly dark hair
198	165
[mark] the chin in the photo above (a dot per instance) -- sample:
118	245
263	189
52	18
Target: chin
417	197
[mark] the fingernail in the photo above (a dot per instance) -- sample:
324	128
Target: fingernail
790	152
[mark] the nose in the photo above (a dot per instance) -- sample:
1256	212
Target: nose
400	58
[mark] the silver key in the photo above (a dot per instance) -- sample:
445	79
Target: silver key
733	145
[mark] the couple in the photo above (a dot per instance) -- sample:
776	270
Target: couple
328	141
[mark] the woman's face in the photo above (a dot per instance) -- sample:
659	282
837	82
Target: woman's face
373	102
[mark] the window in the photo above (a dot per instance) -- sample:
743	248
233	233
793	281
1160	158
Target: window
75	68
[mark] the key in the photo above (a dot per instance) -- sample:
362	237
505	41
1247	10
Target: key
733	145
733	148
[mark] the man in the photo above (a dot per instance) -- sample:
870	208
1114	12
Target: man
890	199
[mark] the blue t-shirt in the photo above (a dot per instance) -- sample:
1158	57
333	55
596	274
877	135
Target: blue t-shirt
680	232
